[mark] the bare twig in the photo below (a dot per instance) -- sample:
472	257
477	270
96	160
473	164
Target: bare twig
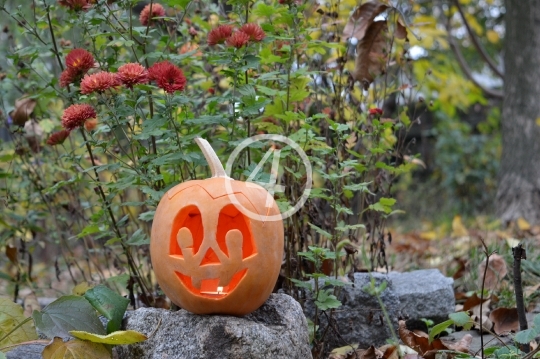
519	254
477	44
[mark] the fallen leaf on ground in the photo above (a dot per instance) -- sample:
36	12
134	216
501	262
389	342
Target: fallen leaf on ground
419	341
461	345
458	229
473	301
343	353
496	270
505	320
475	315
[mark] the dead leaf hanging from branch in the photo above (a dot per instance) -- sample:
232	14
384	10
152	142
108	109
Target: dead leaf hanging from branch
371	54
361	18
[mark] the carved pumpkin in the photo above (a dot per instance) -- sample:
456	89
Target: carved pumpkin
210	254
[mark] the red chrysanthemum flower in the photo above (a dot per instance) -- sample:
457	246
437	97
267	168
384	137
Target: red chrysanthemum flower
146	16
75	115
219	35
375	111
167	76
131	74
76	5
80	61
98	82
68	76
58	138
254	31
238	39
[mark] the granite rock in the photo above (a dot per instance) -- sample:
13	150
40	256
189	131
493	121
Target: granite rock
276	330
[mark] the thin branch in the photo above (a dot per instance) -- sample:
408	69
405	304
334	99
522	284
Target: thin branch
492	65
468	72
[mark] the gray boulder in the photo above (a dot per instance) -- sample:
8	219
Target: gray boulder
276	330
360	319
425	293
32	351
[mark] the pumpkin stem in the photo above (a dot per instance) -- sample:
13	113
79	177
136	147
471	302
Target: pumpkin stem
213	161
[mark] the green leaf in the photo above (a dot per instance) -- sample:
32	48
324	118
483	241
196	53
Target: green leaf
321	231
11	315
115	338
2	355
110	304
462	319
326	300
302	284
69	312
75	349
439	328
526	336
138	238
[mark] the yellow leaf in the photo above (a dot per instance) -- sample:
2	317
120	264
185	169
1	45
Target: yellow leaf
492	36
11	315
523	224
430	235
458	229
81	288
538	121
512	242
115	338
75	349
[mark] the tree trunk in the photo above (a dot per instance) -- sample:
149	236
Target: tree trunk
518	194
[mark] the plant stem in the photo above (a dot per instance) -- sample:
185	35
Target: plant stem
519	254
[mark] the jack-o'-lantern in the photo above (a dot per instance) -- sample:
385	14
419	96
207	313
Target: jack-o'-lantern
213	247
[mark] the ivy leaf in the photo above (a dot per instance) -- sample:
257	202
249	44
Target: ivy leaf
69	312
75	349
115	338
11	315
110	304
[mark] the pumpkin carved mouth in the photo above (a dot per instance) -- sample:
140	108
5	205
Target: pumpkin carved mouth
211	288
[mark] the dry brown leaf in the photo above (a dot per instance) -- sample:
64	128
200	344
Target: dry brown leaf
473	301
342	352
419	341
24	107
361	18
505	320
11	253
389	351
400	31
413	356
348	352
486	322
495	272
30	303
371	54
461	345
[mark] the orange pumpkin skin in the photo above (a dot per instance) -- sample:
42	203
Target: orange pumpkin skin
208	256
